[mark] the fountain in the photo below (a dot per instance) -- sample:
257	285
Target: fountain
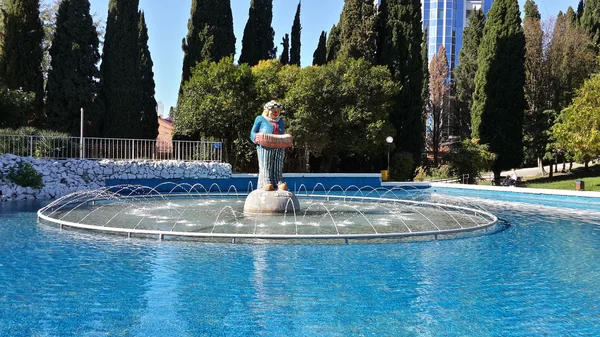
337	215
270	212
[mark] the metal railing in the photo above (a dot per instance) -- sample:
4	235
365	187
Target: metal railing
110	148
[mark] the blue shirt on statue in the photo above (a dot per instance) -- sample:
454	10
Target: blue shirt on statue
262	124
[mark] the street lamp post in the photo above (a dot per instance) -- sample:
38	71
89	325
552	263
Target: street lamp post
389	140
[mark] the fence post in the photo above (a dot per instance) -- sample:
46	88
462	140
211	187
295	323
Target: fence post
81	154
133	149
30	147
178	150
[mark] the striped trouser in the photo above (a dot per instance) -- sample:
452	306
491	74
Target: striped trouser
270	166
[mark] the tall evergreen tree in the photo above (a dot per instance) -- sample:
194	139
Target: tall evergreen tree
295	46
333	43
425	90
531	10
257	43
464	73
357	30
590	19
499	101
21	53
285	54
580	8
120	84
399	48
572	16
210	34
73	74
149	117
320	54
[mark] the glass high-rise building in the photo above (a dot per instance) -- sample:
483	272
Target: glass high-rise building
444	22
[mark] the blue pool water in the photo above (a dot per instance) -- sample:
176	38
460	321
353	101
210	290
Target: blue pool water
539	277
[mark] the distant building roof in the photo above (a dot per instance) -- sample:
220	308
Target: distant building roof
165	120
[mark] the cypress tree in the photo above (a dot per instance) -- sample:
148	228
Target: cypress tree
590	19
295	47
257	43
464	73
580	8
425	90
149	117
572	16
357	30
399	48
320	54
333	43
285	54
532	11
499	102
73	73
120	83
210	34
21	54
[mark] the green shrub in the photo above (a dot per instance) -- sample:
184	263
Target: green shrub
420	173
441	172
14	105
23	174
470	159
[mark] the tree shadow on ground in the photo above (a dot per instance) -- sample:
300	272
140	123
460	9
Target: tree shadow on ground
577	173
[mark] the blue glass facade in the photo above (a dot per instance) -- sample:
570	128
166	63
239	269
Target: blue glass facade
444	21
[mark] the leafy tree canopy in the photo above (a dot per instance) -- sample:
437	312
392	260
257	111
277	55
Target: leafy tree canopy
578	126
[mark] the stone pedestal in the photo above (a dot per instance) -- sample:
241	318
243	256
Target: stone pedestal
271	202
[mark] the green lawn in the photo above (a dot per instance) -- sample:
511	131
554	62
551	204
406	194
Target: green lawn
591	179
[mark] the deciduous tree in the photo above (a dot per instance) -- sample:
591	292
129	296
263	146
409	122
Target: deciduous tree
537	86
578	127
439	99
346	102
218	101
572	58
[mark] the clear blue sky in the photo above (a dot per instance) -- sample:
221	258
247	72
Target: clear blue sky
167	25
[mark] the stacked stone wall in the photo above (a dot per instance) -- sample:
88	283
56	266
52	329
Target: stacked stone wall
61	177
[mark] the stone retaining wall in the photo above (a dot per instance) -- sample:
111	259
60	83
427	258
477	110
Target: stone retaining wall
61	177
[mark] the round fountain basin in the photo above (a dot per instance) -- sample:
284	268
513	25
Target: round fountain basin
141	211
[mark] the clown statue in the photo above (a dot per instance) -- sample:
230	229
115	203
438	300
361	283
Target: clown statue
268	135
